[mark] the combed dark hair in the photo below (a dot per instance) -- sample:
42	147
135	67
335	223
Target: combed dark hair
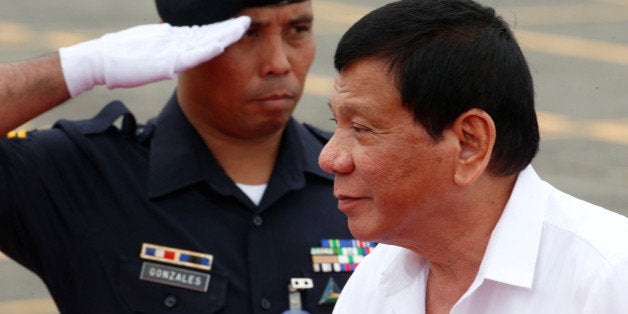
447	57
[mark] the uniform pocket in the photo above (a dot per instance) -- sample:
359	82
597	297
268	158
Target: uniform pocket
143	296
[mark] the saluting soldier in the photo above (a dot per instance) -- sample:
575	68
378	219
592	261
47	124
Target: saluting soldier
217	205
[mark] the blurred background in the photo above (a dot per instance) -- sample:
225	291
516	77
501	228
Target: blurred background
577	51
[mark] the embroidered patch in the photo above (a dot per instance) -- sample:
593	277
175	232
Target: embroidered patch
174	276
176	256
331	293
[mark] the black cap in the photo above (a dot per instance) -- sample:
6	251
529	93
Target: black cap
201	12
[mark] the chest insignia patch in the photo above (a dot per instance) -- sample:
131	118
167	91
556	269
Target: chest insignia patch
176	256
174	276
331	293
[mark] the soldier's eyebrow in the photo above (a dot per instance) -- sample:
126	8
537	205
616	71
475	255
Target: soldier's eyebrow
304	18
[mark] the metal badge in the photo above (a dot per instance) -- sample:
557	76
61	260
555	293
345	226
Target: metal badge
294	294
301	283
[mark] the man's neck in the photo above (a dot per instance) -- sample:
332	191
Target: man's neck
449	279
247	161
459	244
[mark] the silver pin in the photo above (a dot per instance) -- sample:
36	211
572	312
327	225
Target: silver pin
301	283
294	294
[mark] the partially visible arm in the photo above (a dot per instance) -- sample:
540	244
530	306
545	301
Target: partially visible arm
30	88
129	58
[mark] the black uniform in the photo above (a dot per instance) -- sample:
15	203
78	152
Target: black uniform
79	200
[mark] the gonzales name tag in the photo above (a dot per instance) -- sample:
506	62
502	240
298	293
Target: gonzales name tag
174	276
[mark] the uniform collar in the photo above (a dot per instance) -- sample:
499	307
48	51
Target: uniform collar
178	155
180	158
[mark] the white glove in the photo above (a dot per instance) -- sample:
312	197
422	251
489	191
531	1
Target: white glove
145	54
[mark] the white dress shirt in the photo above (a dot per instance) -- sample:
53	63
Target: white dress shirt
549	253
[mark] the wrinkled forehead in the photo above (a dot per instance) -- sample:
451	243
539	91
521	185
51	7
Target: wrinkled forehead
201	12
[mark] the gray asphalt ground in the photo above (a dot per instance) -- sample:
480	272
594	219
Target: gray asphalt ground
578	52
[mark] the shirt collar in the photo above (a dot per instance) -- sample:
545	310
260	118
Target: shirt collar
512	250
402	271
179	157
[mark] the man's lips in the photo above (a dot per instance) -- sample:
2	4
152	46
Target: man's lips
276	99
346	202
276	96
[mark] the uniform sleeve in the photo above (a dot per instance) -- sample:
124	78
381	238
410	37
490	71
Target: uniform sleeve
28	226
16	177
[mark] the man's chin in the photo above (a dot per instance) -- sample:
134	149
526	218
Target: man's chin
360	232
268	127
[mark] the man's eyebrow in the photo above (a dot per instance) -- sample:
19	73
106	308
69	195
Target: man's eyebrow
306	18
302	19
344	110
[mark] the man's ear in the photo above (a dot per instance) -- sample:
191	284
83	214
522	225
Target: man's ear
475	131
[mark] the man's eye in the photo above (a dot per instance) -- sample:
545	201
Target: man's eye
334	121
302	28
358	128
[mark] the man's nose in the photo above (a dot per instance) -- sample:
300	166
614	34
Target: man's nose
335	158
275	57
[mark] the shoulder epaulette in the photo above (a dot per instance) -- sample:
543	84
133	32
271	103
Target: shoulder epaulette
22	134
322	135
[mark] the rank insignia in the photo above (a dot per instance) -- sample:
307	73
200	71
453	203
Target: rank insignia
17	134
176	256
331	293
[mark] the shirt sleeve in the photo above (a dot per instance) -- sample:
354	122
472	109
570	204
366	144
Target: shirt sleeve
608	292
30	224
16	181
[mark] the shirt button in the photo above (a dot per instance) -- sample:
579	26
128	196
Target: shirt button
265	304
170	301
257	221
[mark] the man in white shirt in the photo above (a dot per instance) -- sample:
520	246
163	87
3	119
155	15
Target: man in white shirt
436	130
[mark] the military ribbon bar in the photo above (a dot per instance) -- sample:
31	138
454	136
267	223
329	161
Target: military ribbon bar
339	255
176	256
341	243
